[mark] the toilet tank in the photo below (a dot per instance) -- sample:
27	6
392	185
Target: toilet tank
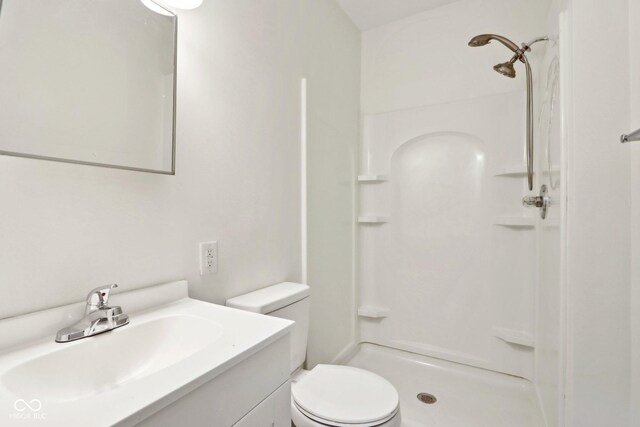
286	300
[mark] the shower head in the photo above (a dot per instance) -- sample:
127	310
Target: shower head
481	40
484	39
506	69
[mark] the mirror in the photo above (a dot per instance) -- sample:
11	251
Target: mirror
88	81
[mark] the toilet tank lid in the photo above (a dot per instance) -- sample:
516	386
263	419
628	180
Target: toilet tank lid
271	298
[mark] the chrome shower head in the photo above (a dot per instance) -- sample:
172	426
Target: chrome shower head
506	69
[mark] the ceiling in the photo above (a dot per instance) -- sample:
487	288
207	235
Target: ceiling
367	14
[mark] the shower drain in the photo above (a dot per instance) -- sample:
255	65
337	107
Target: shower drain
427	398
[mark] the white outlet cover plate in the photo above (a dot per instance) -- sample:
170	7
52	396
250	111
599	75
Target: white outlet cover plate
208	258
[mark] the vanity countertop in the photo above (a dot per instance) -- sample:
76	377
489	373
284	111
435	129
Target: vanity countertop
123	376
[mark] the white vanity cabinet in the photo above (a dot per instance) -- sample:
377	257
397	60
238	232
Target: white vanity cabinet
254	393
274	411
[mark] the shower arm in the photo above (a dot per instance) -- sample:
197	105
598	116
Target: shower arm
527	46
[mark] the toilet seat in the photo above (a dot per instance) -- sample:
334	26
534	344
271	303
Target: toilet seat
304	419
343	396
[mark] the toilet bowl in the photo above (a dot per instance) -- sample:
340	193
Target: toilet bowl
327	395
333	395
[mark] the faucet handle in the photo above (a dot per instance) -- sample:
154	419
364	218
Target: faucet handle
99	297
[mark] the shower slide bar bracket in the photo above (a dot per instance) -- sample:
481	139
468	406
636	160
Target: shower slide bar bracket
633	136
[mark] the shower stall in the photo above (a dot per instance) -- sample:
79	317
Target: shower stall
459	287
452	266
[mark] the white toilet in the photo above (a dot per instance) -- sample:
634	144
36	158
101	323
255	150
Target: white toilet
328	395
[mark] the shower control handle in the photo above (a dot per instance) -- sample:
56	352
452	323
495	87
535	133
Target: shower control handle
542	201
533	201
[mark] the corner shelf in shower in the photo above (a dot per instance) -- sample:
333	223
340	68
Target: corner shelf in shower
373	219
373	312
511	171
512	336
372	178
519	171
515	221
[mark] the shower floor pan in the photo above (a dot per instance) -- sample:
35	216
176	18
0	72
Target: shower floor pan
464	396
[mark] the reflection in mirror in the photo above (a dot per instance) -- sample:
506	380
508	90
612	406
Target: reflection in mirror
88	81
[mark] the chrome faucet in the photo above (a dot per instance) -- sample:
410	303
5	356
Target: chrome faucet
98	317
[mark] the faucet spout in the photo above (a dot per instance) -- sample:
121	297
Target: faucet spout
98	318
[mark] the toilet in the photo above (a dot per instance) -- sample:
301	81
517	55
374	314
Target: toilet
327	395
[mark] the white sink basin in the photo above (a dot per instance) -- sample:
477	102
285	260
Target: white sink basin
94	366
110	379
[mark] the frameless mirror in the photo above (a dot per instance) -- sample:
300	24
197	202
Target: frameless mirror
88	81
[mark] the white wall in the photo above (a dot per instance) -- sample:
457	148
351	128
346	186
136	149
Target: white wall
65	228
424	59
598	251
634	123
332	139
429	100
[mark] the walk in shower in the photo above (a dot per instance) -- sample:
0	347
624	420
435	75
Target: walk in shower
456	282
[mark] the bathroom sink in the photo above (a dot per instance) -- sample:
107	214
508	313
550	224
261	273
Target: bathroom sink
165	352
94	366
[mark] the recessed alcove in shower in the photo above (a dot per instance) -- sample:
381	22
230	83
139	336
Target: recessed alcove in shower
434	247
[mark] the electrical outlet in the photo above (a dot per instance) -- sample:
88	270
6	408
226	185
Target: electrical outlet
208	258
